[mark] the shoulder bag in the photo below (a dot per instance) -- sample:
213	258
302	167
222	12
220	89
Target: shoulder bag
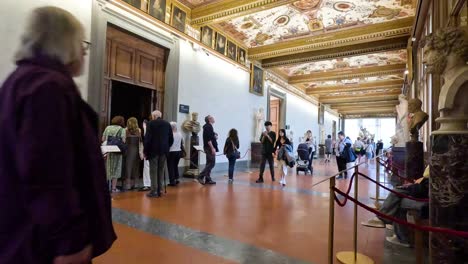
235	151
117	141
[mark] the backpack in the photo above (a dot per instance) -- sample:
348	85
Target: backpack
117	141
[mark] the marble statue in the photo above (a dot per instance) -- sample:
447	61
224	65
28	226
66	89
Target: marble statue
259	121
417	118
402	132
193	126
446	53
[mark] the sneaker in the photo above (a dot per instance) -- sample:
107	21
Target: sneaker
394	240
389	227
374	222
260	180
201	180
153	194
210	182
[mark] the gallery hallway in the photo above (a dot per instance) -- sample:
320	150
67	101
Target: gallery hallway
240	223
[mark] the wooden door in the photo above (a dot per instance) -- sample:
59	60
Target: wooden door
122	62
146	70
275	115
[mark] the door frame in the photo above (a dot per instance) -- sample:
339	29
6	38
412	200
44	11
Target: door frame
282	113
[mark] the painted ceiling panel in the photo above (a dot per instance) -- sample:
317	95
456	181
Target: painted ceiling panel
313	17
197	3
355	81
342	64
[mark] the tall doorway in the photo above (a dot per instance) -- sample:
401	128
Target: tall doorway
275	113
129	100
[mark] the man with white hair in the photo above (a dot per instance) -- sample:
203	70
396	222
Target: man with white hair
158	140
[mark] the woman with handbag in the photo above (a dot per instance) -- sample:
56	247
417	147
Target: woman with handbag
285	147
114	132
231	150
132	155
176	152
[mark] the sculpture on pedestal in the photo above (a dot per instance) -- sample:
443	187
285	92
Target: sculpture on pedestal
446	53
192	126
402	132
259	120
417	118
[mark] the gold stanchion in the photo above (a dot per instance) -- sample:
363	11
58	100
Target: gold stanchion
353	257
331	221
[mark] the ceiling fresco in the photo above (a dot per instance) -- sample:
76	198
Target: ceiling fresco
369	60
353	82
313	17
362	93
197	3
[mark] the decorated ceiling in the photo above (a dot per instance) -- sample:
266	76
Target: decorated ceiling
312	17
197	3
342	64
352	82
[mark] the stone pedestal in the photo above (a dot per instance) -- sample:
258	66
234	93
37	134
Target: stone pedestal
449	196
399	157
193	170
414	161
256	154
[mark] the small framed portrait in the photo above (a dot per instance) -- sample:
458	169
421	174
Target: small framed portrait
157	9
232	50
207	36
140	4
178	18
220	43
241	56
256	80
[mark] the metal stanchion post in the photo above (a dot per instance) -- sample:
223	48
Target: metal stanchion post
377	188
331	221
353	257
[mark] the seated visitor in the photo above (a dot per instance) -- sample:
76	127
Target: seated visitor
397	206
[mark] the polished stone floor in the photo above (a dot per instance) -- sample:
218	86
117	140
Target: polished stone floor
244	222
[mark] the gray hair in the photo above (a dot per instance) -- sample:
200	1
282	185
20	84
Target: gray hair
53	32
156	114
174	125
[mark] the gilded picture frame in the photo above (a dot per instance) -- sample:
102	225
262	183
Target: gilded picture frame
257	80
178	18
231	51
207	36
220	43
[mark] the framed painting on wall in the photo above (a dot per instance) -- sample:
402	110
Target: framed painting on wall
178	18
157	9
207	36
220	43
140	4
256	80
232	50
241	56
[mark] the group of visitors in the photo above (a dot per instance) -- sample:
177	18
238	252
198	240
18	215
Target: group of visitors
366	148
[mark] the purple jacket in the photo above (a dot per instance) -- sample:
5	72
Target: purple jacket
54	198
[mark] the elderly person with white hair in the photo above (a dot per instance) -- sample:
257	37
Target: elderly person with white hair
175	154
158	140
53	189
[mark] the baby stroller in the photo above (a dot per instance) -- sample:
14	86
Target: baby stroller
302	161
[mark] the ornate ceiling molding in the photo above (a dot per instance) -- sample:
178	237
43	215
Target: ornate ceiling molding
349	74
370	115
269	76
356	87
225	10
392	29
338	51
350	99
339	106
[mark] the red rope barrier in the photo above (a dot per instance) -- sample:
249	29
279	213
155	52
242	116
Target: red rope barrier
396	173
402	195
402	222
342	204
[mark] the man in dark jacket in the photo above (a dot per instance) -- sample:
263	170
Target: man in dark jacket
210	146
158	140
268	140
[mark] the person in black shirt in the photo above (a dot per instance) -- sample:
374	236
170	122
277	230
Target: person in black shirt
158	140
379	147
268	140
210	146
230	148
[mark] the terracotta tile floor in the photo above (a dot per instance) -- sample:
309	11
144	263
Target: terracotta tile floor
291	222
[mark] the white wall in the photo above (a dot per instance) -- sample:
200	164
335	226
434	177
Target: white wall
212	86
14	13
328	123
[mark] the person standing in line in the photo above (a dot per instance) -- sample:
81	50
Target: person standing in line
328	148
175	154
210	146
231	147
55	203
146	166
114	161
343	152
369	150
132	157
158	139
284	147
267	139
359	148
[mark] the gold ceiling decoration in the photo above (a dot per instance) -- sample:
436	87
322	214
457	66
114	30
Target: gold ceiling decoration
355	87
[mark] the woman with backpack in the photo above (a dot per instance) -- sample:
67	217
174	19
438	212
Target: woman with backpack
114	159
231	150
283	144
